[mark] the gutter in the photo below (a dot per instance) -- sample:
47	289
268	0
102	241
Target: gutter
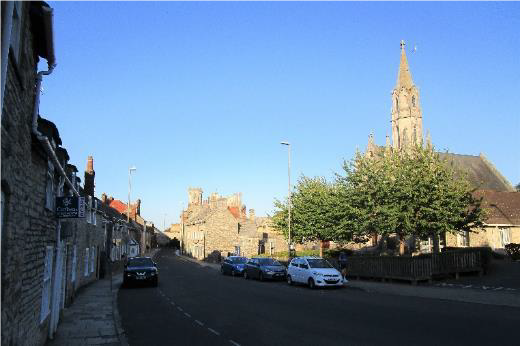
4	50
51	62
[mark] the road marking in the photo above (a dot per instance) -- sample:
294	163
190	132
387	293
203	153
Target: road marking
187	314
173	303
199	323
214	331
234	343
179	308
468	286
498	288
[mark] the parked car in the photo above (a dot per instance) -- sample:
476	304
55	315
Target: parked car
233	265
264	268
313	271
141	269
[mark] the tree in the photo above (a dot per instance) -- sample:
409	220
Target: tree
409	193
517	187
314	212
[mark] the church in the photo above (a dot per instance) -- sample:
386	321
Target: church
499	197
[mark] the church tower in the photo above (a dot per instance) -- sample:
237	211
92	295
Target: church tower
406	111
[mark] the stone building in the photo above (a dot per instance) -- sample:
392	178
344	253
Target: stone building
407	131
45	259
219	226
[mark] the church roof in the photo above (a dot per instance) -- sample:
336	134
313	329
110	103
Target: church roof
404	77
480	172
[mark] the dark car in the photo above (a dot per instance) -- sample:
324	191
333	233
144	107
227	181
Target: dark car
264	268
233	265
141	269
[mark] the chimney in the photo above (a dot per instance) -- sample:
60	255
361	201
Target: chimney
138	207
252	215
104	198
90	164
90	174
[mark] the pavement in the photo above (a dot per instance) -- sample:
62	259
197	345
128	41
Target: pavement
195	305
462	292
93	317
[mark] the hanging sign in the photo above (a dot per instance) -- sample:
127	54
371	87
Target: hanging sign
70	207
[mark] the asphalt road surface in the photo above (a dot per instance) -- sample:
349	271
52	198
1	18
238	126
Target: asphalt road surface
196	305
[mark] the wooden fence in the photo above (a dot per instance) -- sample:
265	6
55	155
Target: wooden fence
418	268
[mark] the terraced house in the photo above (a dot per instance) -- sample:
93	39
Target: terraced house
46	256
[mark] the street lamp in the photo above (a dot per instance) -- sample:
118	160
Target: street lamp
129	189
289	194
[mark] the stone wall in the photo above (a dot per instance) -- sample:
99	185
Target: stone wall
27	227
488	236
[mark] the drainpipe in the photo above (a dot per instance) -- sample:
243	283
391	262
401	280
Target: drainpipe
4	50
47	18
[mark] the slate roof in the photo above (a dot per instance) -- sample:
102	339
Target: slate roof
503	207
480	172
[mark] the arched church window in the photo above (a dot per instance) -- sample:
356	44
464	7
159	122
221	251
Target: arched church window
414	134
413	100
396	103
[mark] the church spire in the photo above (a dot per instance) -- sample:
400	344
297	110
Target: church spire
404	77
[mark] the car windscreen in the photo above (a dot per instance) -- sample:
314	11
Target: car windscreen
268	262
140	262
319	263
239	260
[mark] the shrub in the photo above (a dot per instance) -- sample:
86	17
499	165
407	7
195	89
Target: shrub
513	250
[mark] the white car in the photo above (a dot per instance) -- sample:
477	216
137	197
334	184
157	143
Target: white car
313	271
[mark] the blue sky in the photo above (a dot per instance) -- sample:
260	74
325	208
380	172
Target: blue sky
201	94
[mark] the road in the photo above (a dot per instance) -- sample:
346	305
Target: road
196	305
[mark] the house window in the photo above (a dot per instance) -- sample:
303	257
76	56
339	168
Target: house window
237	250
2	217
16	30
49	188
86	262
93	259
89	209
463	238
505	236
74	263
95	204
46	289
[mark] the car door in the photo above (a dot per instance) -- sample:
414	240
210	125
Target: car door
256	268
227	265
249	267
304	271
294	270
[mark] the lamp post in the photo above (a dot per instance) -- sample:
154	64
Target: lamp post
289	194
129	190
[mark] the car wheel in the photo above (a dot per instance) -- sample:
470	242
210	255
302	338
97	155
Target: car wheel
312	285
222	271
261	277
289	280
245	275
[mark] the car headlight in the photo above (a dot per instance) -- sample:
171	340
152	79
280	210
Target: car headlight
317	274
